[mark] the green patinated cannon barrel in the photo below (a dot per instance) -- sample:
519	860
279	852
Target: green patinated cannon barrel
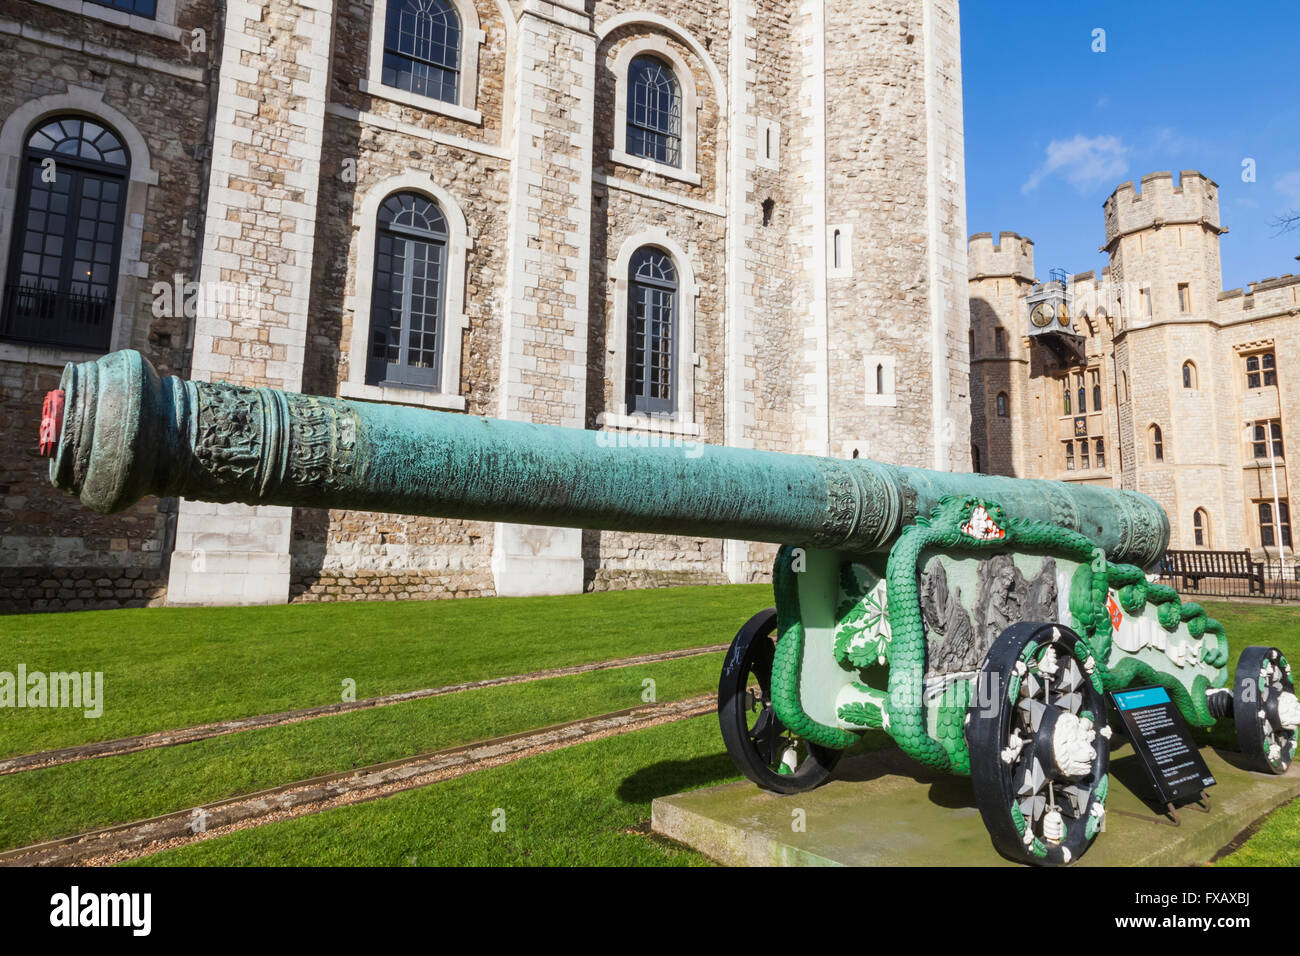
127	433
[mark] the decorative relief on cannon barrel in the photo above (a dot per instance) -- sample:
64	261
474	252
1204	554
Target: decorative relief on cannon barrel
1064	512
842	498
229	442
258	444
1148	530
322	444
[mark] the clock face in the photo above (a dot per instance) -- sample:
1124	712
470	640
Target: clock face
1041	315
1064	316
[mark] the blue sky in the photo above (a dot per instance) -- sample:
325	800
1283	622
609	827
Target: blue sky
1053	127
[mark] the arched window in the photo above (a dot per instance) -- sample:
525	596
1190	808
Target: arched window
1069	456
1101	453
880	378
1201	528
409	293
1002	405
1065	384
654	112
1189	375
422	45
838	243
67	235
652	333
1096	390
1157	439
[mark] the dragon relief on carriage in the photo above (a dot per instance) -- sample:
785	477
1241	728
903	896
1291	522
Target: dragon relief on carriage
984	645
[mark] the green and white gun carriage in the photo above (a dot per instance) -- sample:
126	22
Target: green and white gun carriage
976	620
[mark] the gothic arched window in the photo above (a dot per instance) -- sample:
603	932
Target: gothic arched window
67	235
1201	528
652	332
409	293
1157	446
654	112
422	41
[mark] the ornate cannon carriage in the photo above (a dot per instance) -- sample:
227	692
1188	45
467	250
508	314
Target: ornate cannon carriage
977	620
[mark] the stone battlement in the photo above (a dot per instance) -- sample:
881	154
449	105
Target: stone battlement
1160	201
1012	255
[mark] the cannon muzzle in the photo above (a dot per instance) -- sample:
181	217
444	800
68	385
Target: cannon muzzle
127	433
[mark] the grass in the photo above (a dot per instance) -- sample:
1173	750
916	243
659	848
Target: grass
174	667
568	807
58	801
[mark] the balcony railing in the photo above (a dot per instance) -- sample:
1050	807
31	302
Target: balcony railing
61	319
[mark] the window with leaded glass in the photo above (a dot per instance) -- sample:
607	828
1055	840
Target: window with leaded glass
1267	438
1269	527
67	235
409	293
1201	528
422	44
652	333
1261	370
654	112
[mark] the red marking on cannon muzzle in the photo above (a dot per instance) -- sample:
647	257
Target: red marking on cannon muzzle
51	422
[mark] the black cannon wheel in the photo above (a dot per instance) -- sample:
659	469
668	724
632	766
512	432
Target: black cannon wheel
1263	704
763	749
1039	751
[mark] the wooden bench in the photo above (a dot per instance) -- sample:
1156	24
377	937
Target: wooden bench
1191	566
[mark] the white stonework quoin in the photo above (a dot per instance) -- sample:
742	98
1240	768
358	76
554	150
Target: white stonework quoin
240	554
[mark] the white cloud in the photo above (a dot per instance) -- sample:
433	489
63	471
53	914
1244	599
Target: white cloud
1084	162
1288	184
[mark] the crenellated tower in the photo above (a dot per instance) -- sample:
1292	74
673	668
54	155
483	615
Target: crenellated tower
1001	274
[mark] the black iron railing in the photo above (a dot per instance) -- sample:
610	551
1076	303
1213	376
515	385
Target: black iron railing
64	319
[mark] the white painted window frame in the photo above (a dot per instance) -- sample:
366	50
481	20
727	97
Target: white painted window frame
656	44
132	270
365	222
682	421
472	39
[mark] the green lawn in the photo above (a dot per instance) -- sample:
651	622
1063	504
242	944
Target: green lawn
71	798
173	667
567	807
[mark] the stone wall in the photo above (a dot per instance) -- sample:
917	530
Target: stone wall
149	82
303	145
